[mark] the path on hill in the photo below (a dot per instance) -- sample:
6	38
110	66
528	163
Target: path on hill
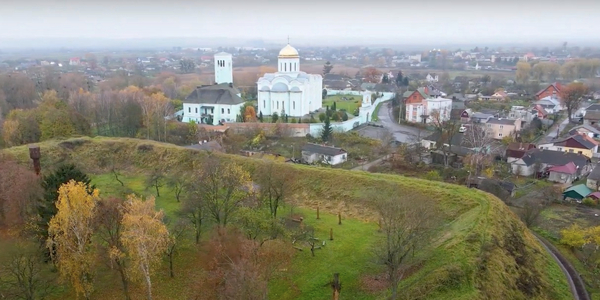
575	282
366	166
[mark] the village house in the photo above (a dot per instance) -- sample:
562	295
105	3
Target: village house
500	128
580	144
591	117
499	95
563	174
213	104
588	130
538	160
208	146
552	90
432	77
313	153
421	107
550	104
593	180
515	151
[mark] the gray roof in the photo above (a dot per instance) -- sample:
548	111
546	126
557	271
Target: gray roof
589	128
593	107
320	149
223	93
555	158
479	115
501	121
579	139
457	139
595	175
592	115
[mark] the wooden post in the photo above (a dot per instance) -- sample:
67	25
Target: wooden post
318	217
336	286
340	218
331	234
34	154
302	223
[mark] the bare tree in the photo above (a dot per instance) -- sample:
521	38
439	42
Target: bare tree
156	180
275	185
408	223
176	235
447	130
178	182
572	96
478	138
24	275
531	211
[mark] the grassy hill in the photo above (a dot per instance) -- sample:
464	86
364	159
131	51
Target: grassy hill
484	251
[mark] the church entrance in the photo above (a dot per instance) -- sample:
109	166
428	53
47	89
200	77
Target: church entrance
368	114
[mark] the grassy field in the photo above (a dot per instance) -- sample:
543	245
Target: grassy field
482	252
349	105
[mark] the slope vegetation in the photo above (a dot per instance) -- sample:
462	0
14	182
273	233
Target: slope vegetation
484	252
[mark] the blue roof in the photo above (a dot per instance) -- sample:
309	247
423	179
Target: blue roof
580	189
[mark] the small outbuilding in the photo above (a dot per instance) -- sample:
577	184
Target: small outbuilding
576	192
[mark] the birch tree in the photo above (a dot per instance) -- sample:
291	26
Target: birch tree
70	235
145	238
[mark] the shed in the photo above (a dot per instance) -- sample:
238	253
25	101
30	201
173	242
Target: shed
594	195
577	192
563	174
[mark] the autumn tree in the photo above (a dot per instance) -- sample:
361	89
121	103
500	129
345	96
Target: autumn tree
109	228
372	75
51	184
523	70
176	238
249	114
479	139
145	238
70	235
21	127
408	223
187	66
218	189
20	192
572	96
327	68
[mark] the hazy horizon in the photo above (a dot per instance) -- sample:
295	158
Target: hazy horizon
47	24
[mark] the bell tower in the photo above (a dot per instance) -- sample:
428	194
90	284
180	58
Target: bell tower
223	68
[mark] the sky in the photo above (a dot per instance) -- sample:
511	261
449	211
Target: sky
304	21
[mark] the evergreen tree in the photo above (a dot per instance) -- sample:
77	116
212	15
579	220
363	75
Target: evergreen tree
260	116
327	130
399	79
327	68
334	106
405	81
274	117
324	94
385	78
51	183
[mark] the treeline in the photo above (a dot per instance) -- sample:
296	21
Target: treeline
33	111
551	71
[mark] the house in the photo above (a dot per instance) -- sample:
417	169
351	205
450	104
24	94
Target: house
593	180
430	142
75	61
576	192
500	128
420	106
213	104
563	174
459	114
591	117
212	146
480	117
551	90
455	154
537	160
312	153
581	144
515	151
588	130
499	188
551	104
499	95
432	77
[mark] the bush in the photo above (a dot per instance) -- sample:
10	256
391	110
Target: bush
322	116
344	116
335	117
589	202
433	175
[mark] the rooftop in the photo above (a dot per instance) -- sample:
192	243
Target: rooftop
323	149
223	93
501	121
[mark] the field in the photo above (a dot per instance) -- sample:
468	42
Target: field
349	105
482	252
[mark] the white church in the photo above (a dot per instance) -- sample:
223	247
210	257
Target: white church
289	91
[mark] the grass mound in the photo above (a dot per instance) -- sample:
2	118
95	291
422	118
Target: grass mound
484	251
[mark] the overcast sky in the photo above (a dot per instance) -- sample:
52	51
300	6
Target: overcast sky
443	21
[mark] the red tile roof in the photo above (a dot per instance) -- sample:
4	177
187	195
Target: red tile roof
569	168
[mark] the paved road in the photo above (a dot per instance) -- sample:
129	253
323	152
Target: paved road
402	133
555	130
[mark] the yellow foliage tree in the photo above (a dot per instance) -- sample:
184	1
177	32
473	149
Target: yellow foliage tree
70	235
574	236
145	238
249	114
523	69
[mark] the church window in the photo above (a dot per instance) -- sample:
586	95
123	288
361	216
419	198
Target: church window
222	110
189	109
285	67
196	110
228	111
294	104
277	104
264	104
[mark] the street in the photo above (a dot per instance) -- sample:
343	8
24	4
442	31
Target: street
402	133
554	130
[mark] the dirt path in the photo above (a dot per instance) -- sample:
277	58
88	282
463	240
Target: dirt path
575	282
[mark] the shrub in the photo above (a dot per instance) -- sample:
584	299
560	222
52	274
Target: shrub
589	202
345	116
432	175
322	116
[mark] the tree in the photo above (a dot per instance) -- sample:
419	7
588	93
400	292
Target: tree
480	140
399	79
249	114
276	184
372	75
144	237
178	182
574	236
572	96
327	68
156	180
274	117
531	212
324	94
109	227
187	66
260	116
176	235
20	193
23	275
447	130
405	81
385	79
51	185
327	131
218	189
70	235
523	69
333	107
408	227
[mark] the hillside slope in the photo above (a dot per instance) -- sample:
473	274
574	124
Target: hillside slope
485	252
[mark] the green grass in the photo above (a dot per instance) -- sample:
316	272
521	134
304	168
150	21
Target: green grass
375	115
349	105
468	260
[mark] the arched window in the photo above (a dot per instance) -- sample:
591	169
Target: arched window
277	104
293	104
285	67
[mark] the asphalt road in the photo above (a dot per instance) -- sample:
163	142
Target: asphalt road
402	133
554	131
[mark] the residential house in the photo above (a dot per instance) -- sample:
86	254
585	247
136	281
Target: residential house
499	95
461	115
580	144
591	117
563	174
432	77
550	91
75	61
500	128
430	142
480	117
551	104
312	153
515	151
522	112
590	131
213	104
593	180
537	160
420	106
576	192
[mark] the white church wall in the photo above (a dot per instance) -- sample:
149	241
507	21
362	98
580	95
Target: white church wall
264	102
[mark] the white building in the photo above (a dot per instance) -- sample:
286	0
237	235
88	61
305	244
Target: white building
218	103
289	91
432	77
223	68
312	153
428	108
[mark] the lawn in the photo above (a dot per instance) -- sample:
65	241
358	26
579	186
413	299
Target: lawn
350	105
375	115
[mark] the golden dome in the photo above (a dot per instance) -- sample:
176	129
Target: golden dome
288	51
